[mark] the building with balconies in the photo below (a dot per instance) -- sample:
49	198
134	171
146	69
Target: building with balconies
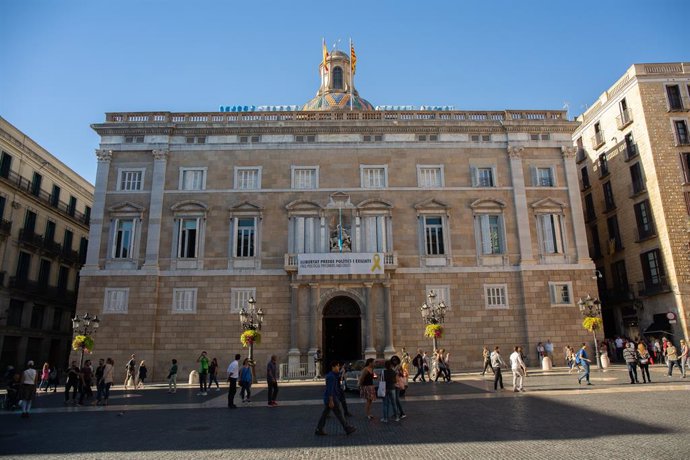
45	209
634	140
338	219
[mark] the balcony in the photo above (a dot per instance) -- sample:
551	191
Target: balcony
48	247
598	140
618	294
46	292
390	261
624	119
637	187
653	286
44	197
644	234
581	155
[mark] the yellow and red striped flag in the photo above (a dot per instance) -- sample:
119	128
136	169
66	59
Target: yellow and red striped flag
353	58
325	56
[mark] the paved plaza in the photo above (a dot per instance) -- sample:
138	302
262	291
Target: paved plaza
555	418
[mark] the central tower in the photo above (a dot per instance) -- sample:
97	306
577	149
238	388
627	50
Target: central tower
337	86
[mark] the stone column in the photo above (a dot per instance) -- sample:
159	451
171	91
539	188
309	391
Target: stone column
569	153
155	210
389	349
98	211
313	326
517	176
369	350
294	353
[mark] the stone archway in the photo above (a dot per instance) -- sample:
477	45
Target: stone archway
342	331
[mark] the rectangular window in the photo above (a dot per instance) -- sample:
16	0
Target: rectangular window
442	294
483	176
685	163
72	206
687	202
590	212
305	233
674	100
638	184
560	293
373	138
630	147
36	184
131	180
490	234
598	138
192	178
57	320
67	240
239	298
375	233
5	164
3	202
50	232
681	132
63	278
615	242
603	165
429	176
37	314
596	242
652	270
551	233
620	277
23	266
373	177
305	177
134	139
30	222
15	312
87	214
244	242
609	202
247	178
55	196
496	296
123	243
44	273
116	300
584	172
544	177
309	139
184	300
187	243
250	139
433	235
480	137
643	217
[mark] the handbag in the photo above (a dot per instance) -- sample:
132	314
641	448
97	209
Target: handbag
381	392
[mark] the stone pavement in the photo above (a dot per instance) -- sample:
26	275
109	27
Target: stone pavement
462	419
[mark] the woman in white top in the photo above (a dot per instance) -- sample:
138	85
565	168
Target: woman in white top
27	392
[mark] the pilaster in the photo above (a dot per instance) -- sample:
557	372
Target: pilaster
517	176
389	349
104	158
579	229
369	350
156	210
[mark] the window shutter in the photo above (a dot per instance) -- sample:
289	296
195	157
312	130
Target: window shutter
547	232
473	176
558	234
486	234
494	177
553	177
535	178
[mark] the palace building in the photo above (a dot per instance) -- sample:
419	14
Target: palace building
338	218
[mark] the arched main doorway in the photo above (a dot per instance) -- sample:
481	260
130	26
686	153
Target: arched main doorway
342	331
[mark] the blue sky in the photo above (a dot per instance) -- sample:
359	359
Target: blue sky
64	63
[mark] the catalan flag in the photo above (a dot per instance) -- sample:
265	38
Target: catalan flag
353	58
325	56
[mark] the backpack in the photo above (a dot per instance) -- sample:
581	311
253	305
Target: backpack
417	361
578	356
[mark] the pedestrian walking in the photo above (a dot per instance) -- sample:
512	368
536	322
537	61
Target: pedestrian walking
583	361
496	364
233	375
27	392
98	376
108	379
85	380
246	382
72	382
684	356
548	349
486	358
390	407
630	357
272	380
213	374
658	357
427	367
172	377
367	390
203	373
671	355
130	372
330	400
519	369
643	359
418	363
619	348
53	378
45	377
143	373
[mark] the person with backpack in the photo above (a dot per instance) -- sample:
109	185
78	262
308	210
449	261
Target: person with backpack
246	382
418	362
583	361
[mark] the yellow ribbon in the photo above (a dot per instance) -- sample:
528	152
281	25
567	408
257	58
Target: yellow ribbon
377	263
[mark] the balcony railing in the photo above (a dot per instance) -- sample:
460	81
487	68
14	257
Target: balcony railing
51	293
618	294
50	247
631	152
390	261
653	286
27	186
598	140
624	119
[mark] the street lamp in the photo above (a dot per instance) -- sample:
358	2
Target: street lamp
433	313
86	326
251	319
591	308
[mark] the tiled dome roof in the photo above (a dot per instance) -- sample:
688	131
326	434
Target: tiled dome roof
337	101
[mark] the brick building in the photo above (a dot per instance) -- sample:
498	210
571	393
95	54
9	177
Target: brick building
634	161
196	212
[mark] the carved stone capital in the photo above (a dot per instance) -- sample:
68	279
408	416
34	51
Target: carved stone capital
160	154
104	155
569	151
515	152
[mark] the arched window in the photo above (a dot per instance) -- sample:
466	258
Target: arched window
337	78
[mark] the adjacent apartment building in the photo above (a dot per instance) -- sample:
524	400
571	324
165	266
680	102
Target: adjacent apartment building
338	218
634	167
45	209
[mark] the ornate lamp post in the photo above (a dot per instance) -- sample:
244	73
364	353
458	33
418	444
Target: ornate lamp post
591	312
84	327
433	314
251	320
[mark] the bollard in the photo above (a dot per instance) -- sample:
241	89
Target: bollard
546	363
605	361
194	378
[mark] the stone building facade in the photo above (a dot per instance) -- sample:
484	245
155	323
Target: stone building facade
196	212
634	167
45	209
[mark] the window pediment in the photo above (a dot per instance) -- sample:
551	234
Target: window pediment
245	209
374	203
339	200
488	204
303	205
548	205
127	208
431	205
189	207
